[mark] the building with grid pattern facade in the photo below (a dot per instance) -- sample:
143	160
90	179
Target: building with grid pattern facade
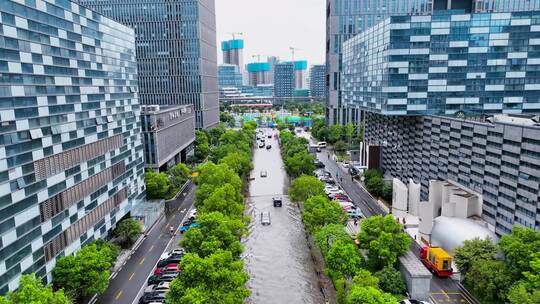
347	18
452	96
284	80
500	160
71	156
317	80
176	51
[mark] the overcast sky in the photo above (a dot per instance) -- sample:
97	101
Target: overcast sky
270	27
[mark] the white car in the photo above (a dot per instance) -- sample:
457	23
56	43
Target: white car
411	301
265	218
192	213
177	251
264	174
161	286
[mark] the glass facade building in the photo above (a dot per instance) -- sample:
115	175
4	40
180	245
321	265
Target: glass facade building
233	52
284	80
347	18
317	80
446	64
229	75
71	156
176	51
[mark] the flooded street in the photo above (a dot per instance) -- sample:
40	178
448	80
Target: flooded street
276	256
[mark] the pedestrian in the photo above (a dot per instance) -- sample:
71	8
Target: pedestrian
352	178
337	174
328	153
355	221
341	179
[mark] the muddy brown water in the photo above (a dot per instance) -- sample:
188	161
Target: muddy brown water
276	256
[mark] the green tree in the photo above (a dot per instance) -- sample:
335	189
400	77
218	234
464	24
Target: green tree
215	232
212	176
349	130
390	281
215	133
157	184
240	162
369	295
472	250
300	163
387	191
32	291
178	175
305	187
225	199
527	291
84	274
340	146
202	145
375	185
364	278
488	280
342	260
128	230
518	248
216	279
384	239
329	234
319	211
334	133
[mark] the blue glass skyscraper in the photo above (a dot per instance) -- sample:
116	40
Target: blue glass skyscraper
71	156
176	51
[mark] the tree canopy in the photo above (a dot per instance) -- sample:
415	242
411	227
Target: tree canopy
157	184
305	187
212	176
215	232
216	279
320	211
384	239
473	250
334	232
85	273
369	295
128	230
32	291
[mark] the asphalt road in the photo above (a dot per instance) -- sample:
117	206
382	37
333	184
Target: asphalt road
128	285
443	290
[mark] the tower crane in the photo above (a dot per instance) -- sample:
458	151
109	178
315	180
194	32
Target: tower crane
234	34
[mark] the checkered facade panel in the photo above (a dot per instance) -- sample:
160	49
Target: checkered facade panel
69	132
446	64
500	161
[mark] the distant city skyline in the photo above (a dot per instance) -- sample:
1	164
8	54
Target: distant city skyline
301	24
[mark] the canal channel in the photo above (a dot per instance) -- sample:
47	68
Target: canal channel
276	256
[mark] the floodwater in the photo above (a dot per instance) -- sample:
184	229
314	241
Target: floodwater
276	256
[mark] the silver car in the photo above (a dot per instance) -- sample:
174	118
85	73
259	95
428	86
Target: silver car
265	218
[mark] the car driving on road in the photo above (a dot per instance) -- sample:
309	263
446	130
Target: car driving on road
265	218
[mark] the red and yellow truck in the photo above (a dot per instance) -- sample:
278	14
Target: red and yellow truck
437	260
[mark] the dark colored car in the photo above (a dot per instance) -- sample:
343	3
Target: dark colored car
153	296
166	277
190	223
270	136
353	171
277	201
174	259
268	147
318	164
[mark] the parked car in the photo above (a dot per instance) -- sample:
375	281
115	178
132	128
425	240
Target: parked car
411	301
172	253
345	165
265	218
321	144
153	296
173	259
166	277
167	269
353	171
162	286
190	223
264	173
334	194
192	213
277	201
328	181
318	164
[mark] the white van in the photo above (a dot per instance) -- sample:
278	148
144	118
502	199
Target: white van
321	144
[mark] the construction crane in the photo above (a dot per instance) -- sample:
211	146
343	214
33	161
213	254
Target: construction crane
293	49
258	56
234	34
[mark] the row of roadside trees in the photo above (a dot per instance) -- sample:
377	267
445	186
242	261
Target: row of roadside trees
504	272
364	273
212	271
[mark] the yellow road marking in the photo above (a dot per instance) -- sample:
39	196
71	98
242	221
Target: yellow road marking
118	295
131	276
141	262
160	236
151	247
